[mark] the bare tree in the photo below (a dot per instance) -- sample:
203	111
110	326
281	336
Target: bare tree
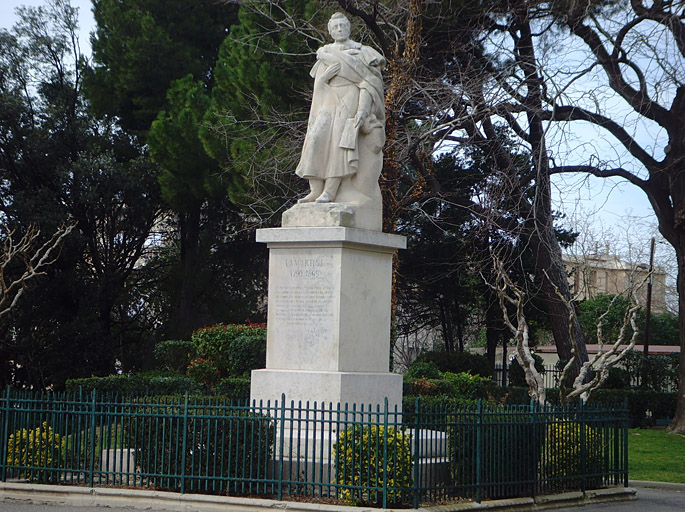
510	296
593	372
29	256
618	69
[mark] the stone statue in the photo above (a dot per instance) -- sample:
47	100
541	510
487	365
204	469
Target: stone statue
342	153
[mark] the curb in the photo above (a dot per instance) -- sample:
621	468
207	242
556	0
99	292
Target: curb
41	494
666	486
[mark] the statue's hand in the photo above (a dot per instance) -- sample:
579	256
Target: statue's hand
360	117
331	71
326	57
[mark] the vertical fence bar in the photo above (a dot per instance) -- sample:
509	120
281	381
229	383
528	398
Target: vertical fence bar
625	442
385	453
583	449
417	447
5	435
184	444
479	448
92	439
280	425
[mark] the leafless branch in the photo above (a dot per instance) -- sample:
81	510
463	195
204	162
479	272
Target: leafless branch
33	261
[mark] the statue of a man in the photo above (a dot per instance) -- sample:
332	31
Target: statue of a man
345	134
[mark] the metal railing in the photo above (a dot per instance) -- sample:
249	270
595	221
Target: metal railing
279	450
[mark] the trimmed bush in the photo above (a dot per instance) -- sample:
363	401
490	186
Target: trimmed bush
233	387
457	362
423	370
236	349
40	448
450	384
175	355
203	371
153	384
509	451
359	462
234	442
517	377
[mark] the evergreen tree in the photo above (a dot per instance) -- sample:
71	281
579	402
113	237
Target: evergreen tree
58	163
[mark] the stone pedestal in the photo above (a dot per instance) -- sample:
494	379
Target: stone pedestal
328	325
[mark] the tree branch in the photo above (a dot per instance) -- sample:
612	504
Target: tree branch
571	113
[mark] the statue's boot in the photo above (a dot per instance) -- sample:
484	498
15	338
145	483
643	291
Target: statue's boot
316	188
329	191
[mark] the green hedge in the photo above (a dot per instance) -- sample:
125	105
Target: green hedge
224	447
236	349
449	384
234	387
135	385
456	362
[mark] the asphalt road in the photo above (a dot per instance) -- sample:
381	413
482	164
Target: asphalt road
649	500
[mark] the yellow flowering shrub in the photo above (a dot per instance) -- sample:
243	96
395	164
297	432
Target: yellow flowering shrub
40	447
362	470
562	456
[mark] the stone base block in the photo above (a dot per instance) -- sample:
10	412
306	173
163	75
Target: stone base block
328	388
363	216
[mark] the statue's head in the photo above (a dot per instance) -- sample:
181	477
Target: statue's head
339	27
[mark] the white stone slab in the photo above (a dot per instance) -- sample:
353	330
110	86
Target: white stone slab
323	236
328	388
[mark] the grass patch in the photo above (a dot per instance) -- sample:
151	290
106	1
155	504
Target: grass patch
656	456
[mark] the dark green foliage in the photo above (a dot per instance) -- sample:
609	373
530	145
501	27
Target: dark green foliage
589	312
237	388
235	442
618	378
188	173
511	455
644	407
663	326
457	362
516	376
141	46
236	349
260	69
654	372
437	287
175	354
423	370
60	164
135	385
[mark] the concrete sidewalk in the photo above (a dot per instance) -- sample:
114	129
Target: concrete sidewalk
174	502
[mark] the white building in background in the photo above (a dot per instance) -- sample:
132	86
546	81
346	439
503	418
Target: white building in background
594	274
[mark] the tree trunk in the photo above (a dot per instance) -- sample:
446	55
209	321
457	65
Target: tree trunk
549	266
186	319
562	322
678	423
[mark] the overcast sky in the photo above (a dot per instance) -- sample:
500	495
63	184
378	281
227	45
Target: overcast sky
86	22
611	201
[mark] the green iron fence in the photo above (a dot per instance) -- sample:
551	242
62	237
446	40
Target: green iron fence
350	454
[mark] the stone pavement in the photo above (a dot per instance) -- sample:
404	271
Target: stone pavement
62	498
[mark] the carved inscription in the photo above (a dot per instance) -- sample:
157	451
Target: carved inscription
302	299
